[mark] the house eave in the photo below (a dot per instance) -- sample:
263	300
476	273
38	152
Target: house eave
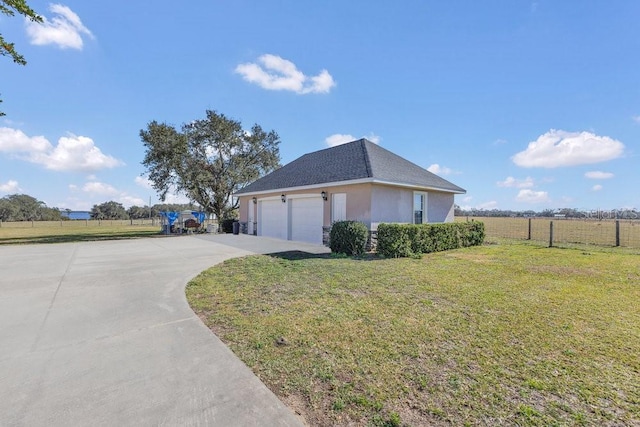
419	187
349	182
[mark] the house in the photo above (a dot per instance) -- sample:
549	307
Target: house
358	181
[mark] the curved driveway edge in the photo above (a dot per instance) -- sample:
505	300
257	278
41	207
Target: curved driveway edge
100	333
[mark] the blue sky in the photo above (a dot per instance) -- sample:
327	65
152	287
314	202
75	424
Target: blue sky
525	104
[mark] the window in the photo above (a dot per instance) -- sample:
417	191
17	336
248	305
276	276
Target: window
419	208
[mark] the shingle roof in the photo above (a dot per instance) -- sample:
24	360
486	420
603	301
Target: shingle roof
359	159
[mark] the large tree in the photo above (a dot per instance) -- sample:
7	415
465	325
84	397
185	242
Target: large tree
208	159
9	8
109	210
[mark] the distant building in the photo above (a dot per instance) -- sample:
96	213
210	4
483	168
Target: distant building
76	214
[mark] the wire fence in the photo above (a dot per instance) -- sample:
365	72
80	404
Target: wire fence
564	231
73	223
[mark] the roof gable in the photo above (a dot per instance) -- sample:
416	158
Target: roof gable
355	160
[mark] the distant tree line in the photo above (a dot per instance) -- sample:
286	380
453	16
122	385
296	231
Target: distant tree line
546	213
22	207
115	210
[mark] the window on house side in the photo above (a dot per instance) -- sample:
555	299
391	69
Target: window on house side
419	208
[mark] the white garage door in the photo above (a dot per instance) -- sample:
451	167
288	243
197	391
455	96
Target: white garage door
306	219
272	219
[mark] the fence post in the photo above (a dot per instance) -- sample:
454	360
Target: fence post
550	234
529	233
617	232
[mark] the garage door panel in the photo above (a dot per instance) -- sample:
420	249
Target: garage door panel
306	220
272	219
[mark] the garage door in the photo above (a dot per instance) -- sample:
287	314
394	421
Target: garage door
272	219
306	220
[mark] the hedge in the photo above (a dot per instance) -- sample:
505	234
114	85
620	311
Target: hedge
348	237
404	240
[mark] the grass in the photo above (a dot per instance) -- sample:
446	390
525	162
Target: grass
492	335
72	231
565	231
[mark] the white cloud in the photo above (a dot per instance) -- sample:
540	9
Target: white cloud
373	138
275	73
143	182
636	119
511	182
596	187
558	148
10	186
500	141
128	201
99	188
340	138
173	198
530	196
73	153
439	170
598	175
492	204
65	29
14	140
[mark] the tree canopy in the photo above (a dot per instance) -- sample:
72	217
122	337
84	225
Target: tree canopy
9	8
208	159
109	210
21	207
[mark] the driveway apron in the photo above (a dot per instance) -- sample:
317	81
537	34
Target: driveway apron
100	333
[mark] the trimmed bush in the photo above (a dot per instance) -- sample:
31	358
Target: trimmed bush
405	240
348	237
394	240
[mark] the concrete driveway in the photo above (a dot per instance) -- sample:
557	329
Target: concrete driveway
100	333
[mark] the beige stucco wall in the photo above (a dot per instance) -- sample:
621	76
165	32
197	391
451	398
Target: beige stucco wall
387	203
358	202
391	204
439	207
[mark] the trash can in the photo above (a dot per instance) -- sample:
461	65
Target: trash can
236	227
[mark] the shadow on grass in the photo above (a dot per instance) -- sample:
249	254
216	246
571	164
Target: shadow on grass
68	238
301	255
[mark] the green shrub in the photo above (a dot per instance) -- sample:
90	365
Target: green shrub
404	240
348	237
394	240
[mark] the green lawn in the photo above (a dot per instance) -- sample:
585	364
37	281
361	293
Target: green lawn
72	231
495	335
